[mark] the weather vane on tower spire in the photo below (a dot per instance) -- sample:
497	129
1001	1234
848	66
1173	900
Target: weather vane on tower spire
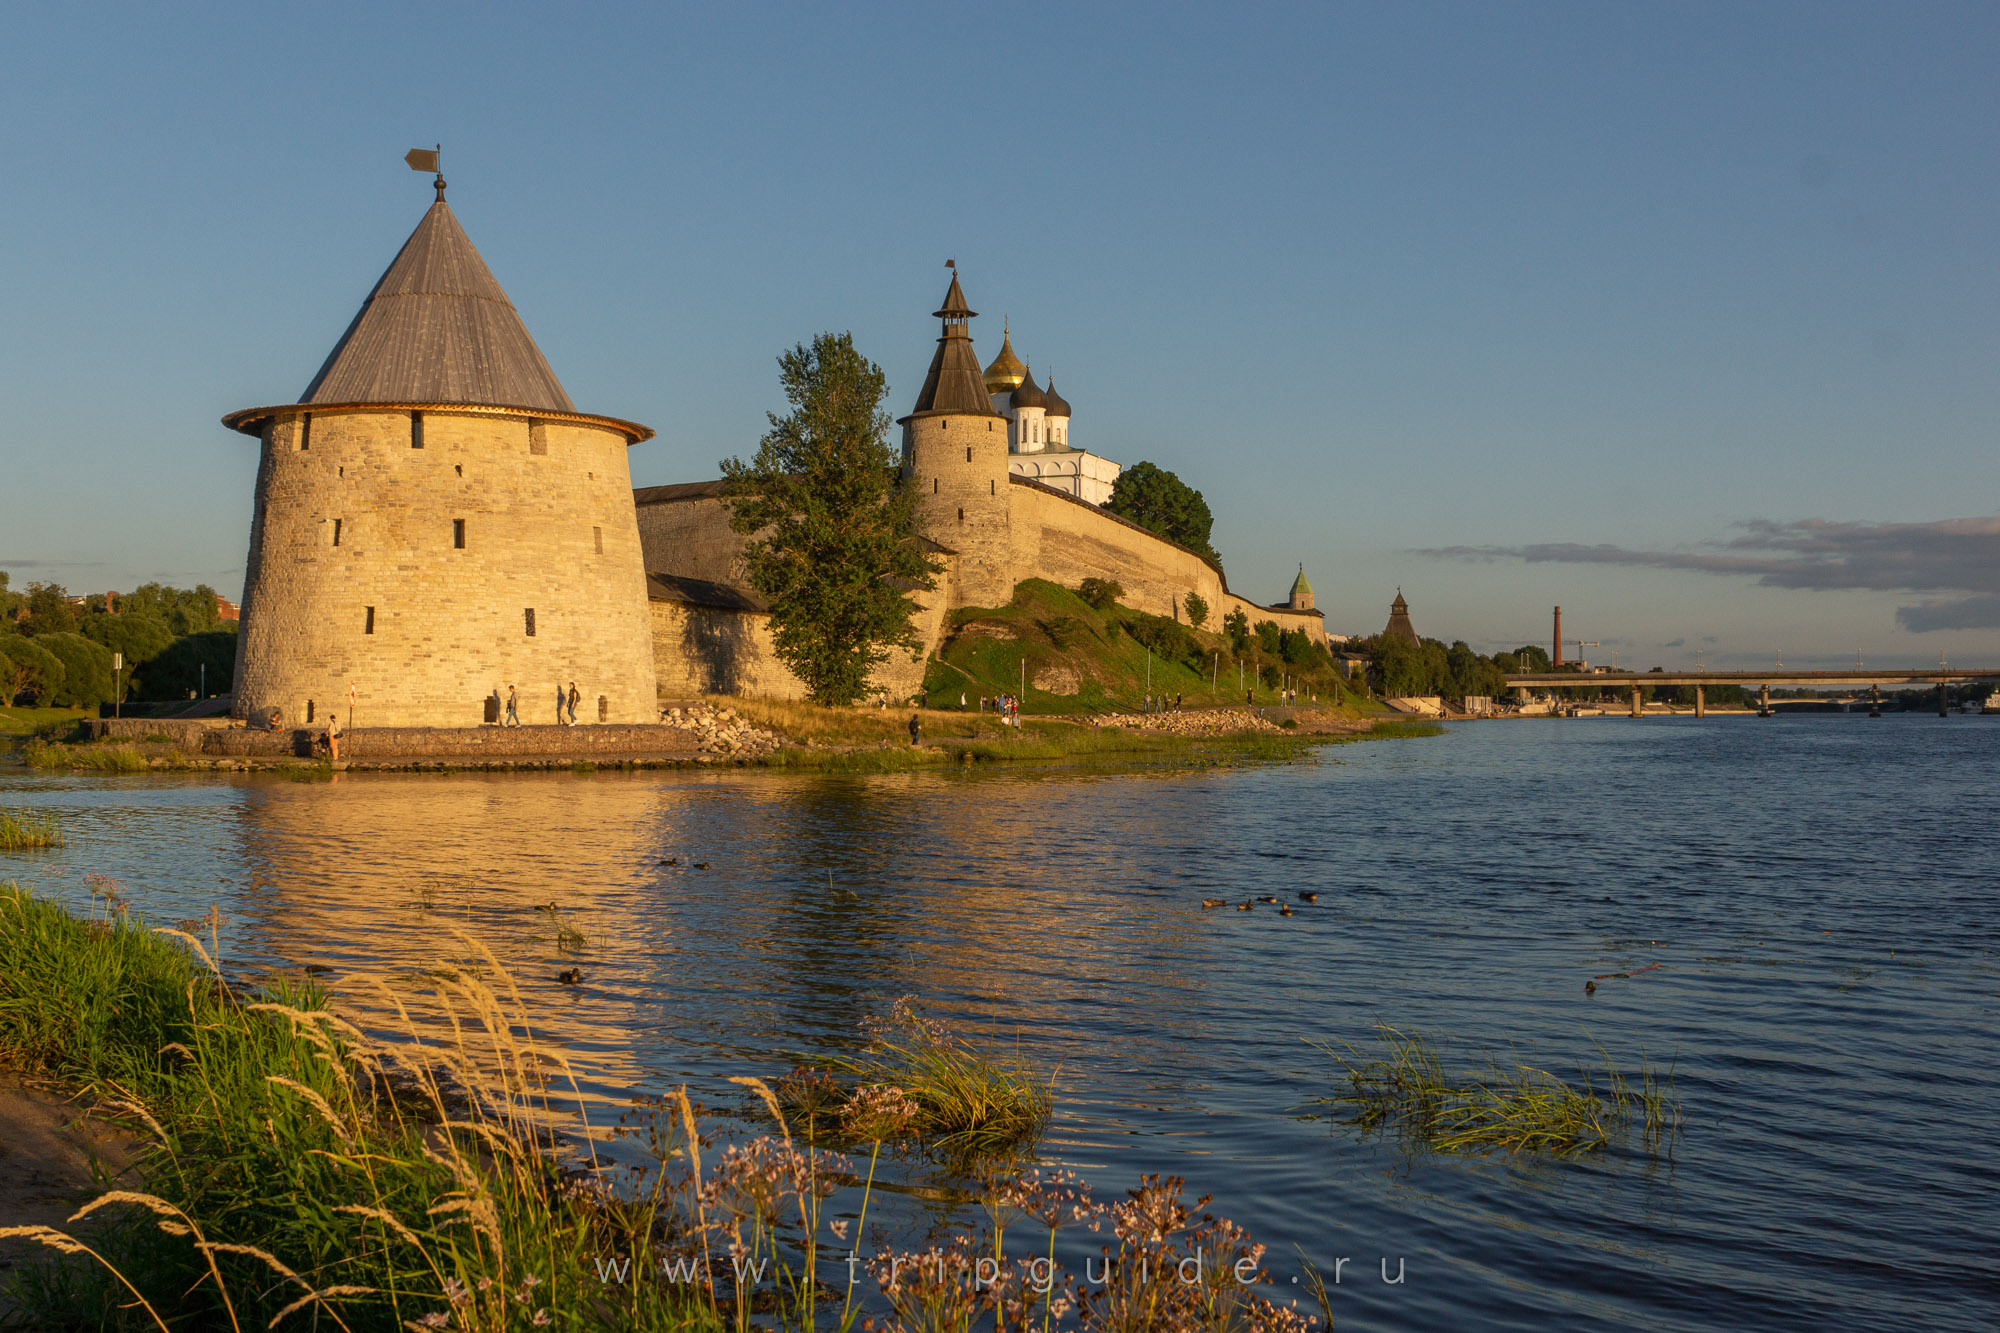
428	159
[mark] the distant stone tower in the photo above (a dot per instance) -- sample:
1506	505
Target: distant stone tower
436	521
955	454
1399	618
1302	593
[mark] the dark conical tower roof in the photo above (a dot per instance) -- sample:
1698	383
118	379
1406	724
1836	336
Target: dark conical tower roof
438	329
955	382
1399	618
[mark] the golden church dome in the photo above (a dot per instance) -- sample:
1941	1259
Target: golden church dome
1006	372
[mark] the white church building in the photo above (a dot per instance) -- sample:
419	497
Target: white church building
1038	444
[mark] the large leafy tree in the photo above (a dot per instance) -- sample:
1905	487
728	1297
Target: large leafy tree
49	611
1157	500
835	550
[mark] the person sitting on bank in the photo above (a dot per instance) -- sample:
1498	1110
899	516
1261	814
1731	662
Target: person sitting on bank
277	720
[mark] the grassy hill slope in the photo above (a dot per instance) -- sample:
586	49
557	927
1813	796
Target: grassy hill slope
1078	659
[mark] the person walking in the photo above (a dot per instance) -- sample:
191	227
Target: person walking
333	737
916	729
574	698
513	705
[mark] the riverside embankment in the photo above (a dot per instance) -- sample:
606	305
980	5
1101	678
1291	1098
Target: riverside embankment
714	731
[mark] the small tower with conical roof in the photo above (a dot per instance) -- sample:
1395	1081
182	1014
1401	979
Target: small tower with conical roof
1399	625
1302	593
435	522
955	454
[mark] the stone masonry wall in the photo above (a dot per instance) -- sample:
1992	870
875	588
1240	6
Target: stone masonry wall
549	525
1058	538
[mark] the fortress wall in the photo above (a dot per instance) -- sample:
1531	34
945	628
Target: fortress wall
552	530
724	650
690	536
1058	538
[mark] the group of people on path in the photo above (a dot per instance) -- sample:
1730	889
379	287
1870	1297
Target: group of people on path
1163	704
566	699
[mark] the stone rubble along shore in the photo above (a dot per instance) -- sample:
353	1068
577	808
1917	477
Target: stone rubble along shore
1236	721
721	731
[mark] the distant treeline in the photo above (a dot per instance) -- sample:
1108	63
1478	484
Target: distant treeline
56	655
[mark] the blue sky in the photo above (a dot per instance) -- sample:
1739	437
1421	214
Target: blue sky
1504	305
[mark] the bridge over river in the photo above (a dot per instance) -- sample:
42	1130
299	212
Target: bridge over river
1941	676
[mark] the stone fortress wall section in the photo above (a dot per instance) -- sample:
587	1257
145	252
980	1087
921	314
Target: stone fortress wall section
722	644
1066	540
405	552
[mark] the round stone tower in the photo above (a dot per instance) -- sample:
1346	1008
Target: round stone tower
955	453
435	522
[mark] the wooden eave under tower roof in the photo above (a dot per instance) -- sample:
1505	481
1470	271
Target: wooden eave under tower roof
955	385
437	333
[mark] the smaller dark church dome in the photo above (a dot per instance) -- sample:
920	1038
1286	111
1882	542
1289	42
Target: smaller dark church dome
1058	405
1030	393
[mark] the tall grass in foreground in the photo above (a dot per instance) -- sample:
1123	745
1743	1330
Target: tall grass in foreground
26	830
1496	1106
297	1172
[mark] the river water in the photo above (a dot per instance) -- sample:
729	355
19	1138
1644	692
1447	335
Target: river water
1819	892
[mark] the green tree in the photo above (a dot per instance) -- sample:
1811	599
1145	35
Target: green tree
1102	594
1533	660
1197	609
835	550
86	680
49	611
1237	626
27	668
10	601
178	673
182	610
1161	502
1270	639
139	638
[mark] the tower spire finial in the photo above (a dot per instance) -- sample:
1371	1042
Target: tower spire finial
428	159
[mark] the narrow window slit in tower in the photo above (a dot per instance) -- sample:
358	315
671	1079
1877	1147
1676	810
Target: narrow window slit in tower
968	453
458	534
597	536
603	709
416	430
530	615
934	482
992	486
368	620
309	712
459	468
961	516
305	432
336	532
538	438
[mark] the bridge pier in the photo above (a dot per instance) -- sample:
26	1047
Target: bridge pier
1944	710
1638	709
1764	701
1700	701
1874	701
